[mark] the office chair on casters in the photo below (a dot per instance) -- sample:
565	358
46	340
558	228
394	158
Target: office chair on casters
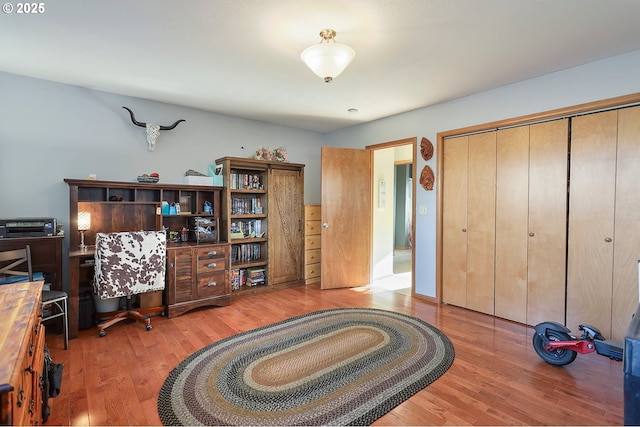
15	266
126	264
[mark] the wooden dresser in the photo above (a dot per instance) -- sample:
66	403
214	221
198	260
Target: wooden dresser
312	244
21	354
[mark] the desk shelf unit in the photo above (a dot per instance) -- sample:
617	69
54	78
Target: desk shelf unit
117	206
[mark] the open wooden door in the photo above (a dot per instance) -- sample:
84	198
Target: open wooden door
346	217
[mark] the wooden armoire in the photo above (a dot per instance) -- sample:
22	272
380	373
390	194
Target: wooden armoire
540	221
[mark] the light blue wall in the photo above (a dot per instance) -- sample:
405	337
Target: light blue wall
51	131
615	76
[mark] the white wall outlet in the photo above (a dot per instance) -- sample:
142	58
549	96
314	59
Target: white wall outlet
422	210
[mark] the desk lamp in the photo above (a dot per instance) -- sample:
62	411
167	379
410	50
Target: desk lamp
84	223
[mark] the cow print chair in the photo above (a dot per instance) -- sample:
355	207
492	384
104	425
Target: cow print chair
126	264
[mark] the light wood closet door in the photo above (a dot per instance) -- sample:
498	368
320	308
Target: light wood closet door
454	220
531	221
591	220
512	217
627	222
481	222
546	257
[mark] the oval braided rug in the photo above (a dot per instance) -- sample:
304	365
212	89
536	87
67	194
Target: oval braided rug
331	367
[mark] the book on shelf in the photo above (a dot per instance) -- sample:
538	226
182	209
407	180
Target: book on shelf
256	276
247	277
238	278
245	252
235	279
246	229
246	206
244	181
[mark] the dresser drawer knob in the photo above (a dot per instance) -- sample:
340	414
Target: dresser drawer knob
212	265
212	284
212	253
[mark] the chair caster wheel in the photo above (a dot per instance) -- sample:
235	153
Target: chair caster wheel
148	327
102	333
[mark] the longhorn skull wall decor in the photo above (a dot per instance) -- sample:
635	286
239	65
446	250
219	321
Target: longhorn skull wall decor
153	131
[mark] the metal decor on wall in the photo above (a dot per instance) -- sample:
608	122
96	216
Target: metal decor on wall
153	131
427	178
426	148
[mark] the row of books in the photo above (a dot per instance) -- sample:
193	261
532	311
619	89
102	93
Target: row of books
244	181
243	206
248	228
247	277
245	252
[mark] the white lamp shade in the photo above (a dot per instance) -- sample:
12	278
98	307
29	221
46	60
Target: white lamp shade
84	221
328	59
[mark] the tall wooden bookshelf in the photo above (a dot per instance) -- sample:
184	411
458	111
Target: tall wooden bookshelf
262	214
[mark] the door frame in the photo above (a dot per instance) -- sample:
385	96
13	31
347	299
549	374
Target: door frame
413	141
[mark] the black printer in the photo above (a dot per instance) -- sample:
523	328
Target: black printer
27	227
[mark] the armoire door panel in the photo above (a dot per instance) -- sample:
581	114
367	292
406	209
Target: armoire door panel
591	220
481	221
546	258
627	222
285	228
512	216
454	221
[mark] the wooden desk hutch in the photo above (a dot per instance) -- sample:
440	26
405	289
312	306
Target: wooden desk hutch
196	269
261	231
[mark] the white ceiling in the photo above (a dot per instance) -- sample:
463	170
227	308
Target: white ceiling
242	57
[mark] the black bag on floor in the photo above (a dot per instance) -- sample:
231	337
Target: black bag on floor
52	381
54	373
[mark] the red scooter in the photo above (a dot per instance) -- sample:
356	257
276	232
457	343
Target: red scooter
555	345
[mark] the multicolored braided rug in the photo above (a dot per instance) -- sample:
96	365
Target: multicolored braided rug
332	367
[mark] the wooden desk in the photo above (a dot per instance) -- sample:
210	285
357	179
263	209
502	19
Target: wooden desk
46	256
21	354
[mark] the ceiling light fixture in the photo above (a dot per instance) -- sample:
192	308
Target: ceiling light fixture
328	59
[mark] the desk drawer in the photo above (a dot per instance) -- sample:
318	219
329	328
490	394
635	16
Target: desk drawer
212	259
211	285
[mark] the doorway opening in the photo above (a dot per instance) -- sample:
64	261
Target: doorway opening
393	207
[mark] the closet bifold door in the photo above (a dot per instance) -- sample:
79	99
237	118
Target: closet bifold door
547	232
481	222
531	218
454	220
627	222
469	221
512	216
591	220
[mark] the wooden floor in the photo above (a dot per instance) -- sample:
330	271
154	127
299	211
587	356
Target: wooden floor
496	378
